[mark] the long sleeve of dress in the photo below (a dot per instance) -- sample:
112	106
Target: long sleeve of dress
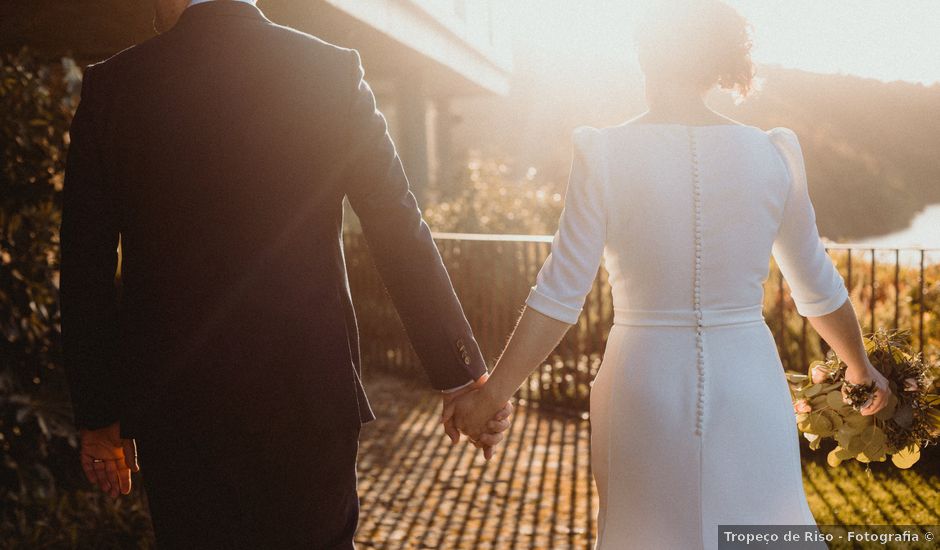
578	247
816	286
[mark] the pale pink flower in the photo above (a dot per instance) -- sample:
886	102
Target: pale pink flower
819	374
802	406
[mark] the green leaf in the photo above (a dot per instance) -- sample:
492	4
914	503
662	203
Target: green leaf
857	421
856	445
833	418
819	424
873	442
834	400
796	378
842	454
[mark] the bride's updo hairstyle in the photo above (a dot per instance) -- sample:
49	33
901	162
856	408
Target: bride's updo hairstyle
702	42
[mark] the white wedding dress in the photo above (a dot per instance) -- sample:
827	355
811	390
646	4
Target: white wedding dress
692	423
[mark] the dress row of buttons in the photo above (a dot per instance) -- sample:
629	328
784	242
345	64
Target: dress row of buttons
697	289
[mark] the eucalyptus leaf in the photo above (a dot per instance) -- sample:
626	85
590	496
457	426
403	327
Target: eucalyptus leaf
874	442
812	390
844	435
856	445
858	421
834	418
873	435
906	457
834	400
833	457
889	410
842	453
818	402
904	415
875	455
820	424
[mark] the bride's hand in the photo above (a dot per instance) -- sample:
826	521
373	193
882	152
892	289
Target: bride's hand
475	415
882	390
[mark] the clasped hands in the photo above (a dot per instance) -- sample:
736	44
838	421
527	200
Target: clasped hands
471	412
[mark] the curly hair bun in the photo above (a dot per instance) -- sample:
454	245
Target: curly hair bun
706	42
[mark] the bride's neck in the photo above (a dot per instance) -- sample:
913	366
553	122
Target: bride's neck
676	103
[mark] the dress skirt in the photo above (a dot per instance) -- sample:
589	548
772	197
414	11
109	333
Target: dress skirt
667	475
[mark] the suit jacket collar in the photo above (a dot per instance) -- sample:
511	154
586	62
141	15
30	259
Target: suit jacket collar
222	8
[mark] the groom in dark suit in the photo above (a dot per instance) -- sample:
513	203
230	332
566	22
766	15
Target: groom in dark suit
218	155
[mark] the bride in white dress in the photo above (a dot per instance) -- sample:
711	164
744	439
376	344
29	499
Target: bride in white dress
692	424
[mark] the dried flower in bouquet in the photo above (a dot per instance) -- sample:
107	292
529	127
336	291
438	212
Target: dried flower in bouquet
827	406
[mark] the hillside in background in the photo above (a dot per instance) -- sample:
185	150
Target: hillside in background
872	148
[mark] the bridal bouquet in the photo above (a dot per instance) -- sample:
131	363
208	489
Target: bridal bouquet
910	420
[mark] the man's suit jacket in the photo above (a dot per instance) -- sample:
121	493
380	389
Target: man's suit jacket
219	154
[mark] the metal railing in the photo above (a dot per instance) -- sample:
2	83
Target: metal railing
895	288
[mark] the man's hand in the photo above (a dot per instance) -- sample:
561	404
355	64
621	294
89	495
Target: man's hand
497	423
472	413
109	460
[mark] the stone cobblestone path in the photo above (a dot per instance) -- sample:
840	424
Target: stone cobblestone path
418	491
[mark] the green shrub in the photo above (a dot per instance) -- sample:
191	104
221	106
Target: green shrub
46	501
491	199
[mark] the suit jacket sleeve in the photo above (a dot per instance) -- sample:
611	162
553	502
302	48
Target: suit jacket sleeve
87	292
402	247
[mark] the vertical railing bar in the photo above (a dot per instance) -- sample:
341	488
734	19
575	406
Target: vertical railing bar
848	278
897	288
491	328
589	481
573	509
534	258
920	300
601	292
585	345
871	296
823	346
527	267
804	344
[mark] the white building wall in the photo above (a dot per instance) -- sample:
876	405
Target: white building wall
468	36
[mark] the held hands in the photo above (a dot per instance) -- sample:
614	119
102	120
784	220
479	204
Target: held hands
108	460
494	420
